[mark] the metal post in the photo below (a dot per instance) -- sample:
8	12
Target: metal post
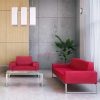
65	88
96	88
80	92
38	78
7	79
41	79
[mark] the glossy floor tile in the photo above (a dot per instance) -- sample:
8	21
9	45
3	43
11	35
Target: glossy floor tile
28	88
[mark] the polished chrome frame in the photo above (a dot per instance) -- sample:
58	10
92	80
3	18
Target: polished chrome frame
79	92
40	75
66	90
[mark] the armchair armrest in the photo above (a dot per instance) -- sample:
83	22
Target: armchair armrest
80	77
36	65
12	65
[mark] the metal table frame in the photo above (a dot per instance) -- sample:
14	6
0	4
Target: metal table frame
39	74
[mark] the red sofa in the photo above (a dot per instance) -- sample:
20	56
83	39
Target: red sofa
78	71
23	63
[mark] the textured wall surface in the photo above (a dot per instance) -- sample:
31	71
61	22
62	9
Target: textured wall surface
53	17
78	27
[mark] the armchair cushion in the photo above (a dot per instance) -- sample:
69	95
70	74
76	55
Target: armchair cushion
23	68
24	60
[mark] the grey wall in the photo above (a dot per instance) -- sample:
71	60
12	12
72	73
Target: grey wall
78	27
53	17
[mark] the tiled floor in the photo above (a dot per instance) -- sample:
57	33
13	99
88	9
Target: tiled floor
27	88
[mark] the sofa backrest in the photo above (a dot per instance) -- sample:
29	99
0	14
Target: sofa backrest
23	60
79	64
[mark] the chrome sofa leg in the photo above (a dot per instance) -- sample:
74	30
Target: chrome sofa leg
65	88
53	75
81	92
96	88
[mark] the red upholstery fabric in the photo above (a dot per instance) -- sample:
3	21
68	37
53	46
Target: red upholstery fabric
23	63
60	65
79	77
12	65
61	71
36	65
77	72
79	64
91	66
23	60
25	68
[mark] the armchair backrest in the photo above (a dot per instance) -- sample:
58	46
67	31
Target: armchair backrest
24	60
79	64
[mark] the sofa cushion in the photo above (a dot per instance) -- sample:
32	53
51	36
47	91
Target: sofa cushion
80	77
79	64
24	60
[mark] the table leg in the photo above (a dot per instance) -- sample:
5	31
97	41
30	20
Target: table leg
41	79
38	78
7	79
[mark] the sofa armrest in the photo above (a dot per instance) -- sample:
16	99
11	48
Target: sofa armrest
60	65
80	77
12	65
36	65
91	66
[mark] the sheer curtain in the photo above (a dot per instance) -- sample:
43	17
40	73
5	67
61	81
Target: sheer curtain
92	32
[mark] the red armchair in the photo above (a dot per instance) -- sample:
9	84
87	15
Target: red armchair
78	71
23	63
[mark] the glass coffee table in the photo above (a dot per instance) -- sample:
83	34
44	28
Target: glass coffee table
15	73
